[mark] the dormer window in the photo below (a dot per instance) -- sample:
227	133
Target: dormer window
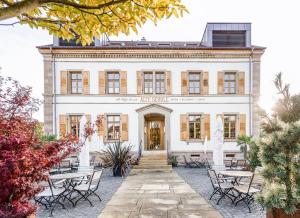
222	38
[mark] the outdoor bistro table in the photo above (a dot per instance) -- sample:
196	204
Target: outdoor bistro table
69	176
68	182
236	174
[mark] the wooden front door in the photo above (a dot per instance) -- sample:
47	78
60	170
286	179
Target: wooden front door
155	134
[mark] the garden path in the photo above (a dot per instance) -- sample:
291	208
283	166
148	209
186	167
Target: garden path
157	194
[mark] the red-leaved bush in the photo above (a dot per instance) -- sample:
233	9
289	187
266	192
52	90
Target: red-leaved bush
24	160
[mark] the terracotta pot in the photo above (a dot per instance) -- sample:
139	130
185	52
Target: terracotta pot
279	213
31	216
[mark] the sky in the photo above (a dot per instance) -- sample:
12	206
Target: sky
275	25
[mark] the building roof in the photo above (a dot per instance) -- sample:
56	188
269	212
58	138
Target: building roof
175	45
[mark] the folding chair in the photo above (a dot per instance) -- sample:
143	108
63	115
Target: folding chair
189	163
246	193
65	166
50	197
85	190
240	164
220	186
228	164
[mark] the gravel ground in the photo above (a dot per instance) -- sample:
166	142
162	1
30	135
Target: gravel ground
200	182
108	186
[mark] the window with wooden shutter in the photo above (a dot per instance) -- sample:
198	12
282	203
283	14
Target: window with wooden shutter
139	82
63	82
124	127
220	82
168	83
230	126
204	85
183	127
102	82
123	82
194	82
242	124
195	126
184	83
206	125
63	120
241	83
86	82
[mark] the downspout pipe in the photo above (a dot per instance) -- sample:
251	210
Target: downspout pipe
54	91
250	92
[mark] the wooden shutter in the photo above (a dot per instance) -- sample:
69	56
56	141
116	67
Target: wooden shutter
123	82
102	82
204	83
102	128
89	123
139	82
124	127
63	120
64	82
86	82
220	82
242	124
168	83
184	83
241	83
183	127
206	126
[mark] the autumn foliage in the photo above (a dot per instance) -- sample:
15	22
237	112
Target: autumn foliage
25	160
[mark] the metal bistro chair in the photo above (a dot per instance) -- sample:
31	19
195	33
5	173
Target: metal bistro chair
65	166
246	193
50	197
228	164
189	163
85	190
220	186
241	164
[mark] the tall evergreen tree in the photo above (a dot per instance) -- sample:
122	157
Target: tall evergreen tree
280	149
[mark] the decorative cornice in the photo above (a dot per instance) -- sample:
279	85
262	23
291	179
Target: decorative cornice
153	54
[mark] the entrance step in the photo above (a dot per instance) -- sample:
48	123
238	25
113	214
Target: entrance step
163	167
153	161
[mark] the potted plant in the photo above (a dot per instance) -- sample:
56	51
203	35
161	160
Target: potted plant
280	149
25	160
250	149
118	157
172	160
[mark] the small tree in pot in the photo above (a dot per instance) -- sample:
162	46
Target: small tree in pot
280	150
118	156
250	149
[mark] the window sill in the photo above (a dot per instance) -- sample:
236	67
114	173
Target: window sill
230	140
112	140
195	141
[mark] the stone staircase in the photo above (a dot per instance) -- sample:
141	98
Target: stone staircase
156	161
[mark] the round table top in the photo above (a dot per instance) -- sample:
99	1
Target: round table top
236	173
69	175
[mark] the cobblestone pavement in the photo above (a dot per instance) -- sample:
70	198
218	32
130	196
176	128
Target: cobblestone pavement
157	194
199	181
108	186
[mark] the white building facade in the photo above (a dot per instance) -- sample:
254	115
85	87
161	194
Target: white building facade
160	95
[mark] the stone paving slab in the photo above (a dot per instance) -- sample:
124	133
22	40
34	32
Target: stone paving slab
157	194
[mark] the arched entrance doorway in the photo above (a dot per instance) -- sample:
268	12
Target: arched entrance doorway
154	132
154	127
